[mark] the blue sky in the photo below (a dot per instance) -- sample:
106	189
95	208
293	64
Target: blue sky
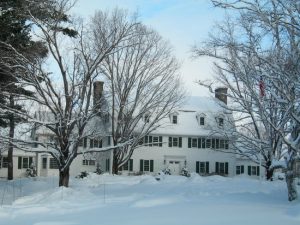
182	22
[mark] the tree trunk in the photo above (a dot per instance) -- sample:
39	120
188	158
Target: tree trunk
270	170
115	168
10	167
290	180
64	177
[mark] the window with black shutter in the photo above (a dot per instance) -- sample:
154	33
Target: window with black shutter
24	162
146	165
170	141
207	167
160	141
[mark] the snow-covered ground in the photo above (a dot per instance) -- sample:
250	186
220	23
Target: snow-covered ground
142	200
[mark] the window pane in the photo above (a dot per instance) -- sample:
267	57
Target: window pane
202	167
125	167
238	170
80	143
213	143
44	163
96	143
175	142
226	144
208	143
194	142
217	143
155	141
53	164
174	120
221	122
253	170
5	162
201	120
222	168
222	144
203	142
25	163
146	165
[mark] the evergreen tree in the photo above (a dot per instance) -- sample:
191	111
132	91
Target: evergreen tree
14	36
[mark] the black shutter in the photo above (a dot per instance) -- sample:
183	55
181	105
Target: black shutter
19	162
197	167
84	142
150	141
130	164
226	168
207	167
217	167
30	161
180	142
242	169
249	170
170	141
108	141
141	165
189	142
258	172
203	142
146	140
91	143
160	141
199	142
151	165
107	164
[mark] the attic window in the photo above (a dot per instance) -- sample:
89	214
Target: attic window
174	119
201	121
220	122
147	118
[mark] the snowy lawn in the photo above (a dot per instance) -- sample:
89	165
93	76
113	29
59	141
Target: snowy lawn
141	200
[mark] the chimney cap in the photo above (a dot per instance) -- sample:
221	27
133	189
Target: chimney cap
221	94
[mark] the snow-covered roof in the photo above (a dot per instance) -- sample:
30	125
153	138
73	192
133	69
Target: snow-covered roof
188	118
203	104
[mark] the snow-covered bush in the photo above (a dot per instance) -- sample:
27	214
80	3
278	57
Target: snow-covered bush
82	174
98	169
185	172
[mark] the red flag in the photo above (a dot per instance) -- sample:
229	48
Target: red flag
261	87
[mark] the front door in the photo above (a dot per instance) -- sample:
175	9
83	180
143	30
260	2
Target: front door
174	167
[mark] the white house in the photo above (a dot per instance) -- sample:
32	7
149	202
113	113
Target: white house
196	137
190	138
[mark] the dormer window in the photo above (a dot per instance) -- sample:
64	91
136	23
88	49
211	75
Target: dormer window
201	119
174	119
147	118
221	122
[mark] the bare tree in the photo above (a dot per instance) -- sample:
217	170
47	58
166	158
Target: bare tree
258	57
144	87
66	94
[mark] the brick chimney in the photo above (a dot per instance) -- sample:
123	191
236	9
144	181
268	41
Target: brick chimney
98	90
221	94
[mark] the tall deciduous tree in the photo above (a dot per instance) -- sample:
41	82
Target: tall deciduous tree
66	95
257	59
144	87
